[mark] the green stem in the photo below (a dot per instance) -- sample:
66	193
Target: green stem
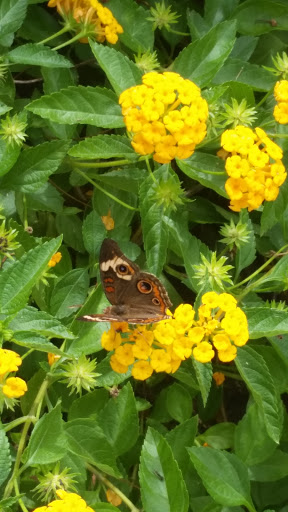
264	98
258	270
20	501
63	30
214	173
178	33
174	273
105	191
278	135
149	169
16	423
25	214
37	402
73	39
99	165
117	491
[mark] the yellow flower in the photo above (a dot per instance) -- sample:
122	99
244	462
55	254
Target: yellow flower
124	354
69	501
55	259
14	387
281	90
160	361
221	341
253	177
9	361
165	116
203	352
108	221
142	370
226	356
164	332
219	378
111	339
117	366
52	358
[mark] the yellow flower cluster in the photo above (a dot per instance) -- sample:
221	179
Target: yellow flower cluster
69	501
166	116
11	387
55	259
281	95
254	167
90	14
221	325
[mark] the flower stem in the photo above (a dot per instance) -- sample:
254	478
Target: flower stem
30	418
73	39
63	30
128	206
117	491
100	165
149	169
178	33
17	422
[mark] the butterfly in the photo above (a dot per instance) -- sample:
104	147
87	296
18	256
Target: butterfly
137	297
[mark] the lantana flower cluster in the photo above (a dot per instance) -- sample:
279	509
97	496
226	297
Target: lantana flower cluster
69	501
220	327
165	116
254	166
10	387
90	15
281	95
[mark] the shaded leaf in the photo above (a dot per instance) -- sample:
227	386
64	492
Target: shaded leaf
38	55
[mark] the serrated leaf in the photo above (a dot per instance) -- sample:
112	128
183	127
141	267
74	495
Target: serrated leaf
255	373
121	72
252	443
103	146
94	233
180	438
79	104
36	342
33	320
128	179
46	198
224	476
118	417
220	436
243	72
5	459
162	486
44	447
38	55
35	166
201	166
17	280
264	322
69	290
204	373
88	441
201	60
12	14
8	155
154	228
138	32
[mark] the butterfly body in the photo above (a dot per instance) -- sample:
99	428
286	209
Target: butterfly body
137	297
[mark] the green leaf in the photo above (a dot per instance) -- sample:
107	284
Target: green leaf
204	373
254	372
12	14
38	55
35	166
179	403
121	72
162	486
89	405
252	443
17	280
138	32
245	73
251	16
88	441
4	108
8	155
46	198
33	320
84	105
44	446
70	226
272	469
108	377
220	436
274	211
118	417
69	290
224	476
94	233
5	459
201	60
180	438
36	342
104	146
128	179
216	12
280	344
277	277
154	228
201	167
247	252
265	321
